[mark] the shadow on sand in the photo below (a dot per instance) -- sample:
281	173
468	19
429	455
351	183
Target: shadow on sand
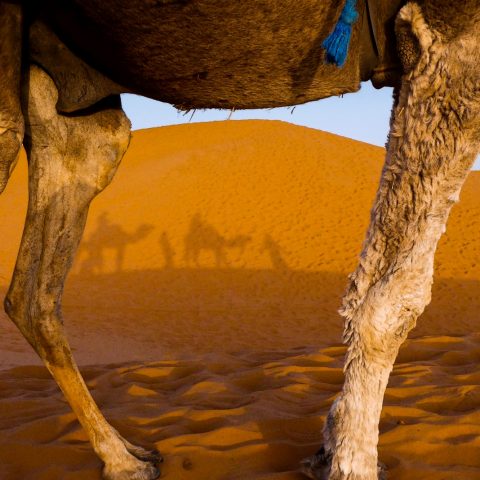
201	289
243	309
109	236
224	339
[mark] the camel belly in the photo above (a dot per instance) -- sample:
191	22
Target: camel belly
210	53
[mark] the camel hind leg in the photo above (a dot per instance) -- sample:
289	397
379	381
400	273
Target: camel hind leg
71	159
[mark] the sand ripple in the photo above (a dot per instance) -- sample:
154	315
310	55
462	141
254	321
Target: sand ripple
248	416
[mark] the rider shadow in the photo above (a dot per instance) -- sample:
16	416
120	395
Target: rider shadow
275	252
167	251
109	236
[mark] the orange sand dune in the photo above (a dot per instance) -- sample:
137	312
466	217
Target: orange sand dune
202	306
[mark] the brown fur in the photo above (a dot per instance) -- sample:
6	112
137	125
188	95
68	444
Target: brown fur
79	85
283	59
217	54
279	62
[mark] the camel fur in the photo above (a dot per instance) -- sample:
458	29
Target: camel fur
59	97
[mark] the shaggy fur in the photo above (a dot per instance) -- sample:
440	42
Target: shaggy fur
433	142
450	18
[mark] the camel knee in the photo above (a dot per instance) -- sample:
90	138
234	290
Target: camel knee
380	325
16	309
385	339
110	136
10	143
43	329
11	309
113	130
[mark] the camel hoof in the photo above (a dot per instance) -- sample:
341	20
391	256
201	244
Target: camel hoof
152	456
135	470
141	453
317	467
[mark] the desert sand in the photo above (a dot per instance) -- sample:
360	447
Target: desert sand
202	309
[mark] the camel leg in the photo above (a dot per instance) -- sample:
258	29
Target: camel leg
434	138
71	159
11	119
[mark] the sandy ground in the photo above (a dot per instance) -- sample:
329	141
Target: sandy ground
202	308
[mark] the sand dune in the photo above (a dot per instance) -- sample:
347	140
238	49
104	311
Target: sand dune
202	306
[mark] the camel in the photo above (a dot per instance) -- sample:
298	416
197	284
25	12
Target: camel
64	64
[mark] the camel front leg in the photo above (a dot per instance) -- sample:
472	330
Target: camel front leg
71	159
433	142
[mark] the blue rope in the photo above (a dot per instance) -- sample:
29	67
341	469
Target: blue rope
336	44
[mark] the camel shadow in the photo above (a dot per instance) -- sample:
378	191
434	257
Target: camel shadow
204	237
214	286
108	236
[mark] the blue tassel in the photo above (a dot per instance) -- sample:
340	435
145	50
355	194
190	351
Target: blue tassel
336	44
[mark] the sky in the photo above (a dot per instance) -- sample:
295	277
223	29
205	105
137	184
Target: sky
363	115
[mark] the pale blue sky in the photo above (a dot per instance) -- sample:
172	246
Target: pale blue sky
363	115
